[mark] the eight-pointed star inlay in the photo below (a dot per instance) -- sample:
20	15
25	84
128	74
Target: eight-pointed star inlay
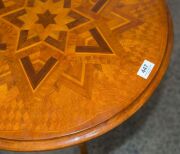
45	20
70	28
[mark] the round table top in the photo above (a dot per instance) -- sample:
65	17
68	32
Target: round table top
71	70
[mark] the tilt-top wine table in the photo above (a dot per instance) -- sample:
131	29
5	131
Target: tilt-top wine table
72	70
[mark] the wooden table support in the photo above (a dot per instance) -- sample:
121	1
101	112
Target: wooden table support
83	148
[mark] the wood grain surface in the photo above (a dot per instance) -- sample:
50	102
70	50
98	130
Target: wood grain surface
68	68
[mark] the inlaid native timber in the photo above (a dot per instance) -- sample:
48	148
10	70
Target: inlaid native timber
68	68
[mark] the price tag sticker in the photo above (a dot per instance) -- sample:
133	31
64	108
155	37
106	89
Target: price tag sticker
145	69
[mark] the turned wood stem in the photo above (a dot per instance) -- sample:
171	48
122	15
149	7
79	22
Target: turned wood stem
83	148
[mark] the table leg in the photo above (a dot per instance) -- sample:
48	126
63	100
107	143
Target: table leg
83	148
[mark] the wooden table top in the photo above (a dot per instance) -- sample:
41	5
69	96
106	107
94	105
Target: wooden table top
68	68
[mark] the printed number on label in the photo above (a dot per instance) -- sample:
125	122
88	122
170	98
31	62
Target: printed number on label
145	69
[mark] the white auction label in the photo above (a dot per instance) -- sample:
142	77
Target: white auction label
145	69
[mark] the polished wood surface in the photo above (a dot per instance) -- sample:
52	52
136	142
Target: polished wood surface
68	68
